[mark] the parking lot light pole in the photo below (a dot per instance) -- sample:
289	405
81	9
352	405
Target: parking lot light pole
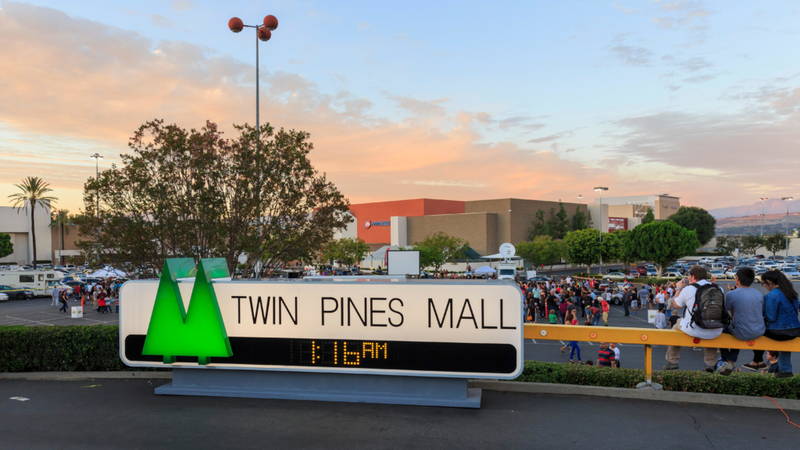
97	157
263	33
762	213
600	189
787	200
580	198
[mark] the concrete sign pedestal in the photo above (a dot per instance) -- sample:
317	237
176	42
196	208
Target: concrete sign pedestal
333	387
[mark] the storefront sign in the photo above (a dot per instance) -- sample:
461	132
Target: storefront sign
423	327
617	223
369	224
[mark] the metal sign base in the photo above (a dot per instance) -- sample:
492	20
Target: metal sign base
331	387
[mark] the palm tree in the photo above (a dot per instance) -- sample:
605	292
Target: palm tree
60	220
33	192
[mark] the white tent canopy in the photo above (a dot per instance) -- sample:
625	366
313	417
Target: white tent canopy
484	270
108	272
499	256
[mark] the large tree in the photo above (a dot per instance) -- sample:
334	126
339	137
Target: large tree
439	248
697	220
775	242
579	219
649	217
728	244
33	192
543	250
662	242
60	220
583	247
6	247
193	193
348	251
750	243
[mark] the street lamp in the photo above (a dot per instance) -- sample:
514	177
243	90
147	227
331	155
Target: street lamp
762	213
263	33
580	198
787	200
600	189
97	157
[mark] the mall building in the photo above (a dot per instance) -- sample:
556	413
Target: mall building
486	224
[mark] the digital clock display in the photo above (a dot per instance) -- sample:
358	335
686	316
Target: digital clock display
355	354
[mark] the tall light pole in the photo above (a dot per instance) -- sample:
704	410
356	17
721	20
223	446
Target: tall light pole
787	200
762	213
263	33
580	198
97	157
600	189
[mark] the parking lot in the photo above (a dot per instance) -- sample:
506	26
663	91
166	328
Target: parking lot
39	311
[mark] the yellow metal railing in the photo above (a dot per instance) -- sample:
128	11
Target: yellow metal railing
650	337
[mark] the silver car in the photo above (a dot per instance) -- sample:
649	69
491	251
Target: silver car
791	274
3	297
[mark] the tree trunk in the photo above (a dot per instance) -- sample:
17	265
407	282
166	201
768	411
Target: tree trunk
63	244
33	232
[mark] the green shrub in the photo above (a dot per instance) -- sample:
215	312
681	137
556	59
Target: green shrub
69	349
750	384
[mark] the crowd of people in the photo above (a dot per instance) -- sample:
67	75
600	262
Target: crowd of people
100	295
694	305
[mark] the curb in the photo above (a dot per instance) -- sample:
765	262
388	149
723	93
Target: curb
740	401
67	376
636	394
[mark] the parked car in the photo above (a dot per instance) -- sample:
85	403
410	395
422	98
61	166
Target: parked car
672	275
539	279
19	294
616	292
3	297
642	270
651	272
615	275
792	274
634	273
717	273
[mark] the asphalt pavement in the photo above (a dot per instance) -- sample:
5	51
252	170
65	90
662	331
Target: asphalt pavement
40	311
126	414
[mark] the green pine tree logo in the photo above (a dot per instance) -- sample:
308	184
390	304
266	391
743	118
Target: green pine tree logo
199	332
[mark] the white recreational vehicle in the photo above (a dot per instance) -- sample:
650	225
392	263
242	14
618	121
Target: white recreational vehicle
41	282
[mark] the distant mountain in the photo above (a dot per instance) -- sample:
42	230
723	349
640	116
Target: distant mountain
771	206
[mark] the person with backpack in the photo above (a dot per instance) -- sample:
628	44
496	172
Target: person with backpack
705	315
780	313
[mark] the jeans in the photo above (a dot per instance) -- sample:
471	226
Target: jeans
596	319
729	354
784	362
575	348
669	313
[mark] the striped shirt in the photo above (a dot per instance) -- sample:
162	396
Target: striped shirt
604	357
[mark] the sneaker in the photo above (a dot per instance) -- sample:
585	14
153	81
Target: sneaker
710	369
784	375
671	366
750	366
725	369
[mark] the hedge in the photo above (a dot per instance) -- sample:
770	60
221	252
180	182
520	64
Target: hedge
751	384
69	349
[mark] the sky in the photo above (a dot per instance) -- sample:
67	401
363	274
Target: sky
459	100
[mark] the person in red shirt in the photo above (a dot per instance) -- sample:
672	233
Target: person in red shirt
606	356
606	308
101	301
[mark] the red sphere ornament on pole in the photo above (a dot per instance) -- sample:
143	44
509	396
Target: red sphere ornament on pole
271	22
236	25
263	33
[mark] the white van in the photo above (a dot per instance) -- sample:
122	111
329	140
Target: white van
41	282
506	271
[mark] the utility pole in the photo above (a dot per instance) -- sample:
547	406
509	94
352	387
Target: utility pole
600	189
762	214
787	200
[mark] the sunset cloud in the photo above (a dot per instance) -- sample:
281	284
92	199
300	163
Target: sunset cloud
85	86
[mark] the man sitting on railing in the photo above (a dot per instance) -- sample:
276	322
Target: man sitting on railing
685	296
746	305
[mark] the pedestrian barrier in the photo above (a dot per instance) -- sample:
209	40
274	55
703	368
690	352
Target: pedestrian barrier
650	337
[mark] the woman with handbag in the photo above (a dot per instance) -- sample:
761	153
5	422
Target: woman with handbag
780	314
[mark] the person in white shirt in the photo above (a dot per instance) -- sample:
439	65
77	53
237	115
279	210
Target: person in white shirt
685	297
613	346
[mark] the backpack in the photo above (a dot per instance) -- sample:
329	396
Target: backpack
709	307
